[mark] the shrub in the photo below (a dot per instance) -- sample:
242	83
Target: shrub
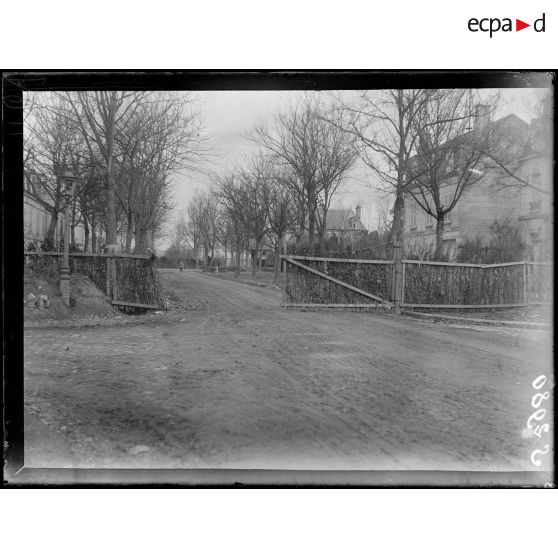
503	245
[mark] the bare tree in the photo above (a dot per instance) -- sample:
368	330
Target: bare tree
505	155
101	116
232	197
383	124
448	153
385	214
336	156
92	203
317	156
203	224
51	144
256	179
179	237
161	139
282	217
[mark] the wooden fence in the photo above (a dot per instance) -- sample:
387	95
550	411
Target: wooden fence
336	282
456	285
540	282
129	280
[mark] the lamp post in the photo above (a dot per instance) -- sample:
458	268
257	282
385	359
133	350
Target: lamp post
67	183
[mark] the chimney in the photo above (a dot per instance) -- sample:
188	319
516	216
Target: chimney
357	211
482	117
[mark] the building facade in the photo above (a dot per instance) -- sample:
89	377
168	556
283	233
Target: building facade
345	225
36	220
489	203
535	203
472	217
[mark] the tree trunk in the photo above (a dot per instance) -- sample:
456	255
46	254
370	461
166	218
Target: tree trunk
52	228
439	252
129	232
86	234
237	270
93	237
277	262
300	232
311	228
322	231
141	240
398	217
255	259
73	225
111	210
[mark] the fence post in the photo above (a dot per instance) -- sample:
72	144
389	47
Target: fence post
108	277
403	283
525	286
111	278
285	276
397	276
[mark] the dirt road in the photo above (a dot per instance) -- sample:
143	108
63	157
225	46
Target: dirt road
241	383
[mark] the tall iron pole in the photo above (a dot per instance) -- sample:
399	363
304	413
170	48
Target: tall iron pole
65	272
68	188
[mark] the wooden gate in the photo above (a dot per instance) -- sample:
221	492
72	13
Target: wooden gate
401	284
132	281
337	283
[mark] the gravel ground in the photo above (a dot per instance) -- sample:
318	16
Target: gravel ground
88	303
237	382
262	278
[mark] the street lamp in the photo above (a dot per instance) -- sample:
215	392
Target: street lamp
67	185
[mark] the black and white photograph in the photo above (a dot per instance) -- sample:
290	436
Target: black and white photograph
305	280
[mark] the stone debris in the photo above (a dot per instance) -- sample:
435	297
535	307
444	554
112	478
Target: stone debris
33	302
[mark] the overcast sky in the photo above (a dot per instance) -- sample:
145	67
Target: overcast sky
229	117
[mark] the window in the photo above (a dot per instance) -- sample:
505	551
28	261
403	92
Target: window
536	201
453	160
450	161
413	214
536	177
535	235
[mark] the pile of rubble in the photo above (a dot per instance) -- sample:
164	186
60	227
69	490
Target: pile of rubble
40	301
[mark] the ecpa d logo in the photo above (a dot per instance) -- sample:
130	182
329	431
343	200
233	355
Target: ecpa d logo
492	25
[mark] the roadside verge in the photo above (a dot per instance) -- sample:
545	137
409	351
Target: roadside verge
448	318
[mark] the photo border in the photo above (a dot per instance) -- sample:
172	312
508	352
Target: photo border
13	86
